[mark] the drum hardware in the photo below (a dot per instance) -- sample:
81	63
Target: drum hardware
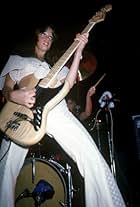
61	168
69	177
70	184
109	129
98	135
26	193
110	140
33	165
94	121
106	102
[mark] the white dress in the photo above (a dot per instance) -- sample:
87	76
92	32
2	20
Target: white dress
101	189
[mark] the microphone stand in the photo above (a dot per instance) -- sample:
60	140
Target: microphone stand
98	136
37	201
110	138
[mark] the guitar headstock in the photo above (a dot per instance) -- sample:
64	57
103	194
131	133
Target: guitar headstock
100	15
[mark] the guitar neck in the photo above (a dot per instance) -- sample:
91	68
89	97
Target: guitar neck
98	17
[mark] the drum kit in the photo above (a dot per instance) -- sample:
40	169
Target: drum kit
44	182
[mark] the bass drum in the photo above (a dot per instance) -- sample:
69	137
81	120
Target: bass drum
35	170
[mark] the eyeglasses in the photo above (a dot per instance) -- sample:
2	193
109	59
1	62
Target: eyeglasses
46	35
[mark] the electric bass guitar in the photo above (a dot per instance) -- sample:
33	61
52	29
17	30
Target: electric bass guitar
26	126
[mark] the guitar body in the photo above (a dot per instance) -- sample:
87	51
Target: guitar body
20	131
27	126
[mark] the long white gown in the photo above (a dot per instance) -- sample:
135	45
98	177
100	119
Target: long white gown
101	189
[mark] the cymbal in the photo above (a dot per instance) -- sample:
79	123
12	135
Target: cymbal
87	65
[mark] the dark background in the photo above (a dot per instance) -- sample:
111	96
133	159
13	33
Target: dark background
18	20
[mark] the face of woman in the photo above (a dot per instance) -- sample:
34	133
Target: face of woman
71	105
45	40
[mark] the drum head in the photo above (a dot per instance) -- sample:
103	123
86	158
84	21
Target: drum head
34	170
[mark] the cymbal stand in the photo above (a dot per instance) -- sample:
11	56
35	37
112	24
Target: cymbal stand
110	140
98	135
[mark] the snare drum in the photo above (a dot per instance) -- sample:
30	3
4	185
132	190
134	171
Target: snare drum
34	170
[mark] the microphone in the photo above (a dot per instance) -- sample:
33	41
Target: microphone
42	191
26	193
106	99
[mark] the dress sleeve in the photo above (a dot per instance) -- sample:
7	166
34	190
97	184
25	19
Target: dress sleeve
14	62
63	73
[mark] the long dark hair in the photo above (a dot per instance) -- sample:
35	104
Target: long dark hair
26	46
